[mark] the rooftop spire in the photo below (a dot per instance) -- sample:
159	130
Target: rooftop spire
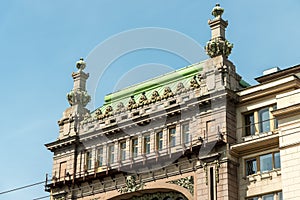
218	45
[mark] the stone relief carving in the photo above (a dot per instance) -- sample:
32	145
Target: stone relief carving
131	185
78	97
218	46
187	183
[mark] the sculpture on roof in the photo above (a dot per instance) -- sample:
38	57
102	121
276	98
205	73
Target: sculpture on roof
167	93
131	103
143	100
180	88
194	83
218	45
155	97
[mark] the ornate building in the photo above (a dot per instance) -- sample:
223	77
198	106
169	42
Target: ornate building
200	132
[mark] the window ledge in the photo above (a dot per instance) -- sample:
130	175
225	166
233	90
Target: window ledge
264	175
259	135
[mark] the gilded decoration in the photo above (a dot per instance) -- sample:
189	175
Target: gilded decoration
187	183
155	97
143	100
194	83
99	114
167	93
131	185
131	103
108	111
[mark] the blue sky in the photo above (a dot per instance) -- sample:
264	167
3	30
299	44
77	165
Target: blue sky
42	40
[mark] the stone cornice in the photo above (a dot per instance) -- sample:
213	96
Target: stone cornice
277	75
255	145
61	143
263	90
287	111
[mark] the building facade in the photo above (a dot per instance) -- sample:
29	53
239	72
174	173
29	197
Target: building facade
200	132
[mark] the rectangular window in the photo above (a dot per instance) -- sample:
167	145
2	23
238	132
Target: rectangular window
159	141
266	163
62	169
89	160
111	154
268	197
253	198
249	124
277	160
147	144
186	133
122	150
172	137
100	157
251	166
135	147
280	197
264	120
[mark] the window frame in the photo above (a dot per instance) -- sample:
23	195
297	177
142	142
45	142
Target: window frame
172	136
186	134
110	153
134	147
159	140
122	150
147	143
259	164
100	156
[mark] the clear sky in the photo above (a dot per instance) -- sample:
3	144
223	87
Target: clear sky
40	41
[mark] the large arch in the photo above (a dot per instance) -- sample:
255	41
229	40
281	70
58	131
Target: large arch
157	191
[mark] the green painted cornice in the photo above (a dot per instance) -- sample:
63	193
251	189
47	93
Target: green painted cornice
158	82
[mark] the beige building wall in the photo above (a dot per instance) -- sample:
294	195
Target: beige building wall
289	125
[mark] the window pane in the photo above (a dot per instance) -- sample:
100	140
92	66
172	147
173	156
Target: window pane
266	163
186	133
172	137
89	160
135	148
147	144
264	120
159	138
268	197
249	124
280	196
100	157
251	167
123	150
277	160
253	198
111	154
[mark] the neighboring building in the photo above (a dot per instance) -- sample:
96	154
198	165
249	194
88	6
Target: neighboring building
200	132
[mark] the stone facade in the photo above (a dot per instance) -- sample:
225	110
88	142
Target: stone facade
196	133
